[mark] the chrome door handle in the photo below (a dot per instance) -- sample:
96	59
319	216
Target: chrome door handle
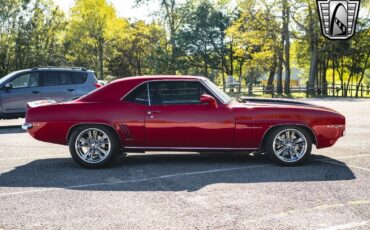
152	112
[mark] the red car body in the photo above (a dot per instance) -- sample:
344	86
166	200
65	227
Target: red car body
222	126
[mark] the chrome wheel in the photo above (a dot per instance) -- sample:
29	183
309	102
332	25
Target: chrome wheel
290	145
92	145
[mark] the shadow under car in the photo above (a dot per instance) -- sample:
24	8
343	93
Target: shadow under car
169	172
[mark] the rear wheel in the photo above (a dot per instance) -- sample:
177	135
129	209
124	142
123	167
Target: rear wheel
289	145
93	146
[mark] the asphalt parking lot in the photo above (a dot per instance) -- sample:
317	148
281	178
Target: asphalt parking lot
42	188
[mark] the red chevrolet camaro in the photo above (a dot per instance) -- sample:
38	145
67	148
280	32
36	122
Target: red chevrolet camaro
167	113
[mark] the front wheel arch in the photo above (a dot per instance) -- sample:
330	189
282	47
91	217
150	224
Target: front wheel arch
271	129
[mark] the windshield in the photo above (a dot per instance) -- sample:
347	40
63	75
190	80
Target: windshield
219	93
6	77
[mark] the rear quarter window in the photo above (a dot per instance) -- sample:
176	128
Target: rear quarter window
76	78
138	95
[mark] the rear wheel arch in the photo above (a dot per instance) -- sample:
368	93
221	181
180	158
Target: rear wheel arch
271	129
83	125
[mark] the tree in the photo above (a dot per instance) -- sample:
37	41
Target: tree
93	25
46	25
212	38
197	35
286	41
361	55
255	41
306	18
30	34
139	51
173	14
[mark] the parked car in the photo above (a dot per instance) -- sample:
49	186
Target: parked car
102	82
51	83
167	113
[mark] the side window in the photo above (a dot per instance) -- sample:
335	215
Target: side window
52	78
76	78
139	95
175	92
26	80
63	78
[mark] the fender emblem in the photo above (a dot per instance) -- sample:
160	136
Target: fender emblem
250	127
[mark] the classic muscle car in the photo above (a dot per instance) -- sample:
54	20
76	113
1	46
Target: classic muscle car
182	113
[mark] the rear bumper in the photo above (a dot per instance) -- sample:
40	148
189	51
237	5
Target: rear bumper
27	126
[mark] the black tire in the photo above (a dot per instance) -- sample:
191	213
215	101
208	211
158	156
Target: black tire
306	152
108	158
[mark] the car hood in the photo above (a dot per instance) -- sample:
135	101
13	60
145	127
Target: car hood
278	103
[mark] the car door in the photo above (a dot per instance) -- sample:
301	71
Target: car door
132	123
25	87
56	86
176	118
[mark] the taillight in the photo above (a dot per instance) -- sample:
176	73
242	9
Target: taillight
97	85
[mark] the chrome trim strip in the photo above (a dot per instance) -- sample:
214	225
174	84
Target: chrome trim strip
186	148
335	126
148	89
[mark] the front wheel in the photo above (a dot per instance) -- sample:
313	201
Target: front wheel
93	146
289	145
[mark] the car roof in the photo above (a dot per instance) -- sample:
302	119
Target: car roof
60	68
47	68
160	77
116	89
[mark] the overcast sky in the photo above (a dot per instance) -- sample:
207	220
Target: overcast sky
125	8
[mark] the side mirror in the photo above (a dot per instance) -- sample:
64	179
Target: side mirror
8	86
209	100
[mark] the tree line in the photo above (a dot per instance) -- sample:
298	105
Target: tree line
220	38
